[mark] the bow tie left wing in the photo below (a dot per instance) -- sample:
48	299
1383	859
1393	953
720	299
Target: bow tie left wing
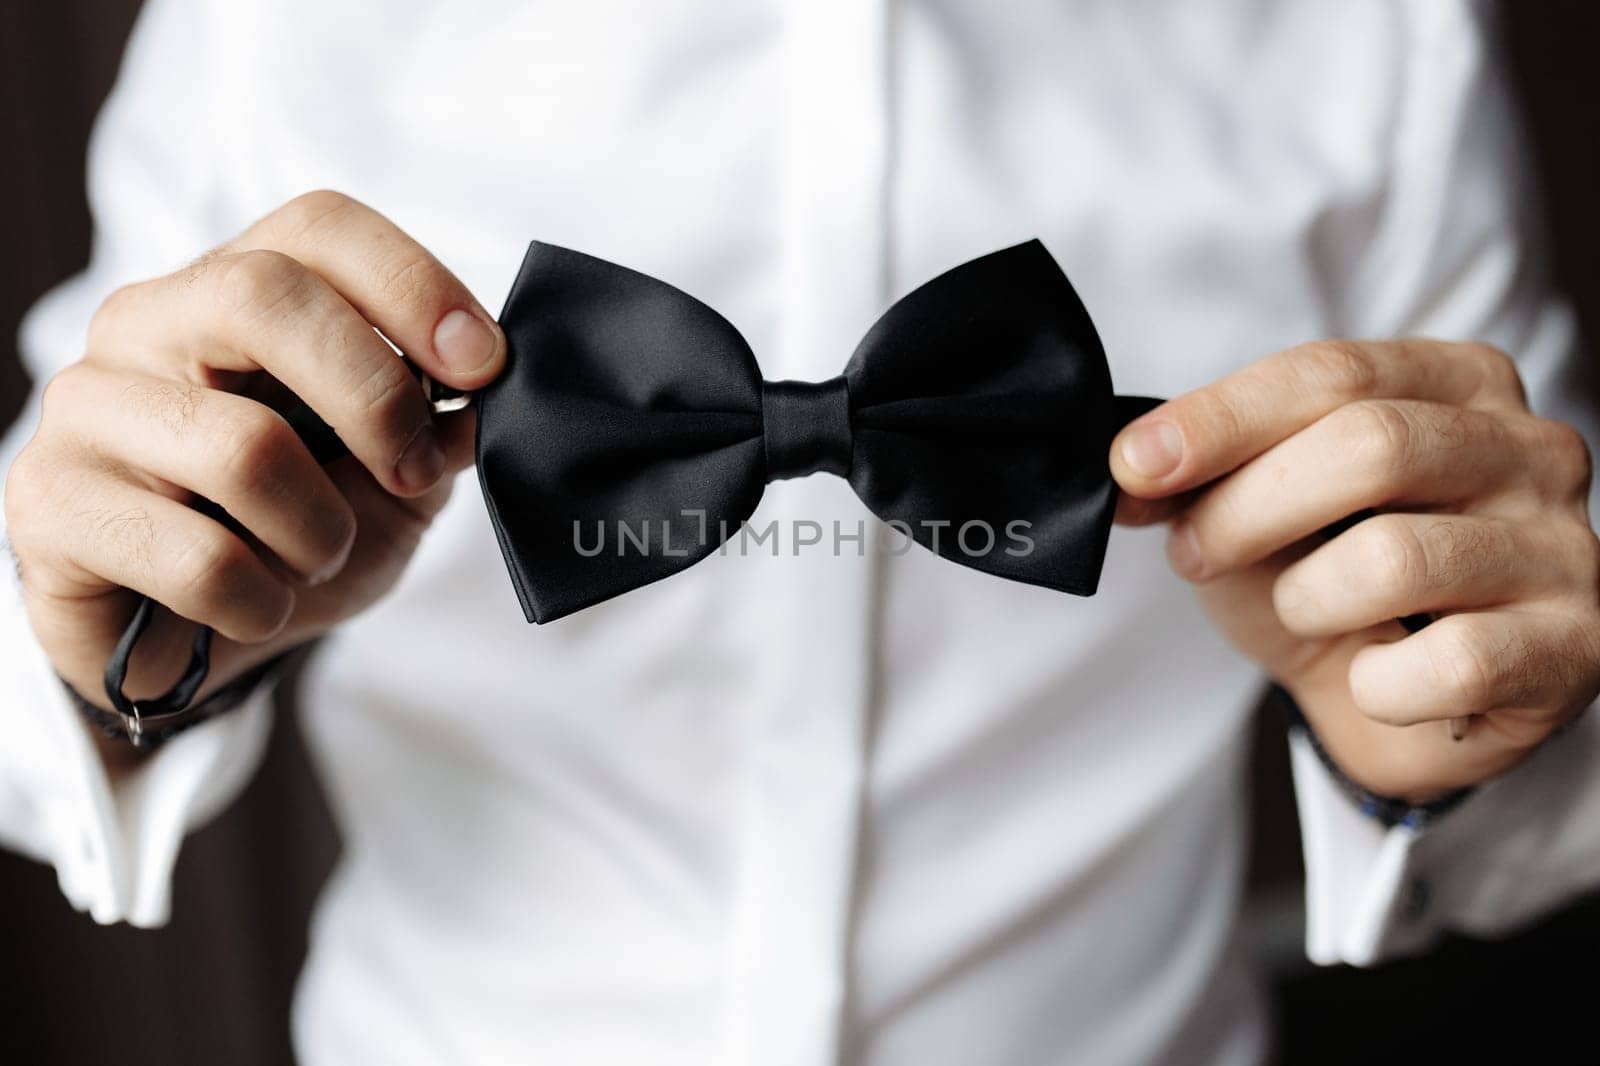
623	440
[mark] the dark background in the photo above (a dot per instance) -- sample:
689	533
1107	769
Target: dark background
215	985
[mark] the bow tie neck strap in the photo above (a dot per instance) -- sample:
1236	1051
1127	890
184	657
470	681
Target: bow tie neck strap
806	427
1130	407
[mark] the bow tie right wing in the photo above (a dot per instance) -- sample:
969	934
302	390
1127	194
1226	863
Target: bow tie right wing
982	401
623	440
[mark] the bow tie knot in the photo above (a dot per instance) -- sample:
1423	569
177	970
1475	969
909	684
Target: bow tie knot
806	427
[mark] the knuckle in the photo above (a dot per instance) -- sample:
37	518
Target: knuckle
388	400
61	393
313	205
30	486
217	574
411	278
1340	367
1500	373
259	451
1586	558
1393	554
1567	455
221	578
254	282
1379	437
313	211
1212	418
44	503
108	319
1464	668
201	563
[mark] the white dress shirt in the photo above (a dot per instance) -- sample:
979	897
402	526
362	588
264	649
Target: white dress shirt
819	807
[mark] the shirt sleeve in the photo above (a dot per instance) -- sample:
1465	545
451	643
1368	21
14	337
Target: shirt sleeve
1455	252
156	186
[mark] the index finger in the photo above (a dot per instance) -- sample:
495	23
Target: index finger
1209	432
393	281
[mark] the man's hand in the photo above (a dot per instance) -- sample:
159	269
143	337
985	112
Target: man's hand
1484	520
177	398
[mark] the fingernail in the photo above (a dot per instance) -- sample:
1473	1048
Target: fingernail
422	462
1183	552
1153	449
463	341
288	613
331	570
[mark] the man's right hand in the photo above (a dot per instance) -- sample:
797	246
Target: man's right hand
176	399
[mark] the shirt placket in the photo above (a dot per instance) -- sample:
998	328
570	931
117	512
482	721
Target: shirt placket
801	808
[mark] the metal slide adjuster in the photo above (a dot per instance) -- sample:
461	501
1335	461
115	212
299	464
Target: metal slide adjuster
133	724
442	398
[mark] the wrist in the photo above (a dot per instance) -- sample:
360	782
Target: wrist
120	735
1404	805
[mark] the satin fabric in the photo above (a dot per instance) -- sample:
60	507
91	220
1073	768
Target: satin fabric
975	416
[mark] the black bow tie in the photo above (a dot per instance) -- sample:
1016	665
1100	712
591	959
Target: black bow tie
976	416
632	433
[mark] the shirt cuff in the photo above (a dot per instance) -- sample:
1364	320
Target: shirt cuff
1502	855
1357	868
113	840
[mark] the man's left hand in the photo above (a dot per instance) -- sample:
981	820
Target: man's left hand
1483	520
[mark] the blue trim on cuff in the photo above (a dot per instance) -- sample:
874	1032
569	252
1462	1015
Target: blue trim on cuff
1386	810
